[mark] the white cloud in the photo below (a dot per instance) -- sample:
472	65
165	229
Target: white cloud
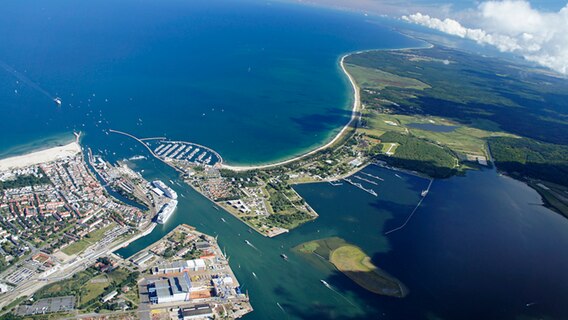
511	26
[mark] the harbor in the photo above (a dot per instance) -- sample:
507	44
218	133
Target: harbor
183	152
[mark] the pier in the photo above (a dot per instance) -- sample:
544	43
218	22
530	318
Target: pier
170	150
145	145
423	194
366	180
360	186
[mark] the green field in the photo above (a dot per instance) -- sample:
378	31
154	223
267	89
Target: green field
89	285
92	289
91	238
377	79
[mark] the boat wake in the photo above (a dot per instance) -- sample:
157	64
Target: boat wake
327	285
281	308
21	77
251	245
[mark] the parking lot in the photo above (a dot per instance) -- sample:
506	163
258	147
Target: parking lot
48	305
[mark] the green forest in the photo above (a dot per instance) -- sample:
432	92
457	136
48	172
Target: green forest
419	155
524	157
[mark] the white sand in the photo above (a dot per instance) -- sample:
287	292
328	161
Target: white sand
356	109
38	157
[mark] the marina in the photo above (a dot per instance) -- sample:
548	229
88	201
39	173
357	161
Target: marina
184	152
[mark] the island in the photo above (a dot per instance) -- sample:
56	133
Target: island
355	264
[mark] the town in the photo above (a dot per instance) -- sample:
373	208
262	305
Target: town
59	226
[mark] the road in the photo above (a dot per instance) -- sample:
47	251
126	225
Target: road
67	270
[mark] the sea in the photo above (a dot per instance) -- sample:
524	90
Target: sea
259	81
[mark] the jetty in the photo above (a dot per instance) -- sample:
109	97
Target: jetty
424	193
366	180
360	186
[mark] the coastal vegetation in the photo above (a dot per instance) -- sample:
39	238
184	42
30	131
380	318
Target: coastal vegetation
355	264
444	103
544	166
418	155
522	157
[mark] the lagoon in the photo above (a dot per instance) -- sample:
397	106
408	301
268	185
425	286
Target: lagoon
259	81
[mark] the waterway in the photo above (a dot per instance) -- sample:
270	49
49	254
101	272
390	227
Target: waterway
480	246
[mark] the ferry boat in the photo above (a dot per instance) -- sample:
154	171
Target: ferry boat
166	211
169	192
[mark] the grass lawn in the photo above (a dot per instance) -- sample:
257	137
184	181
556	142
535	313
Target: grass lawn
81	245
118	275
463	140
65	287
93	289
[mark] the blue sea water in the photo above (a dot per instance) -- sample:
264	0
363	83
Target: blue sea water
216	72
259	81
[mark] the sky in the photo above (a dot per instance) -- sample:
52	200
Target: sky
536	30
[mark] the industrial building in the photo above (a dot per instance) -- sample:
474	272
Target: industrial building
181	266
199	311
170	289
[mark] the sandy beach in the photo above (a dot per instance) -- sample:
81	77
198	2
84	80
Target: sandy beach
42	156
354	114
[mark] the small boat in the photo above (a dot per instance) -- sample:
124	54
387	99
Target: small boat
424	193
397	175
57	101
216	208
254	275
248	242
222	219
325	283
284	256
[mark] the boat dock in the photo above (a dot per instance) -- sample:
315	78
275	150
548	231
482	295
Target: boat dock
366	180
360	186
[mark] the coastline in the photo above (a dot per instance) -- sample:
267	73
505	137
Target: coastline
42	156
355	115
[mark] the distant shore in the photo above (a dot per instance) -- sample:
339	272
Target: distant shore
42	156
354	115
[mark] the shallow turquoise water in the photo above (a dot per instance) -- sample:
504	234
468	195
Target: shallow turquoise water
259	81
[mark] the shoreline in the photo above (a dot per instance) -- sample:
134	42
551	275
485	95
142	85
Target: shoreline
42	156
357	108
354	117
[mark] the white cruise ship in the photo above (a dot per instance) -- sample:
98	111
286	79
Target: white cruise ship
169	192
166	211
